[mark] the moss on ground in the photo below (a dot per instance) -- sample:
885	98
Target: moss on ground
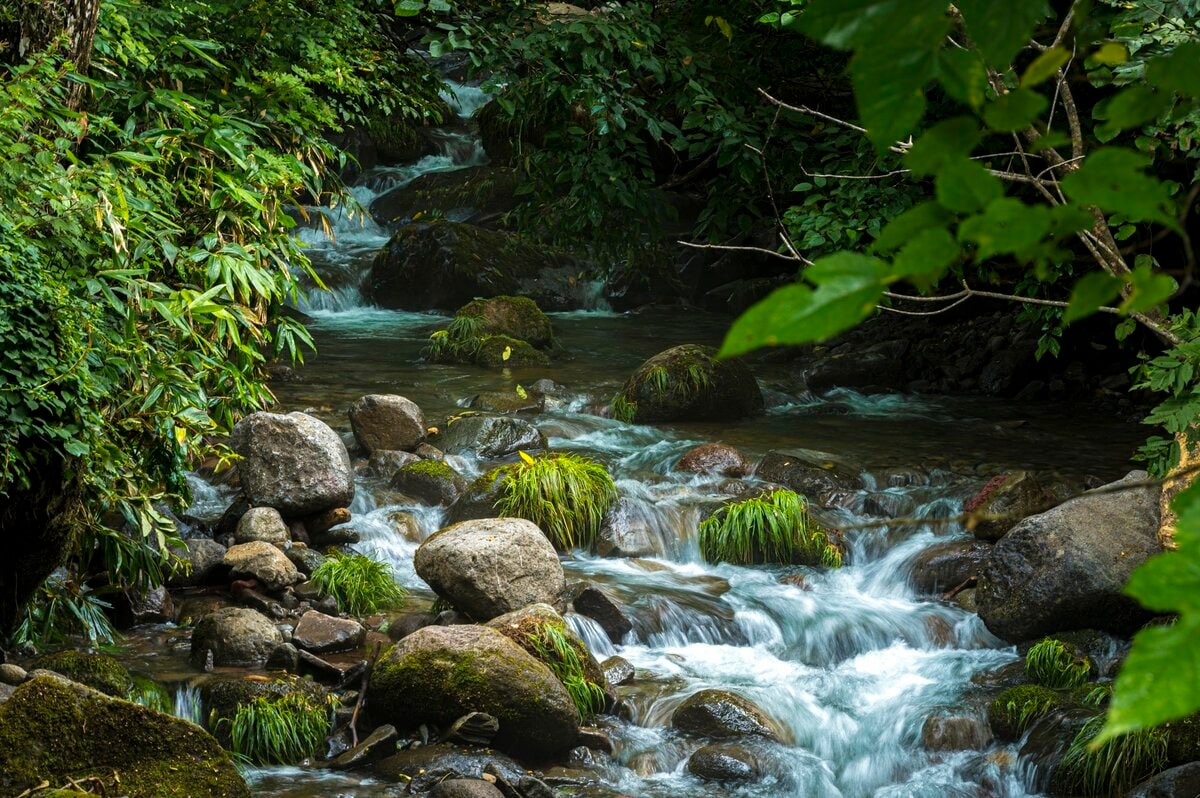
99	671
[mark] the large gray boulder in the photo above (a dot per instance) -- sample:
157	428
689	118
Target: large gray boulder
386	422
491	566
1064	569
235	636
440	673
294	463
203	558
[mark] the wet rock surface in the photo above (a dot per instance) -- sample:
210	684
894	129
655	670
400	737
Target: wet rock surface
294	463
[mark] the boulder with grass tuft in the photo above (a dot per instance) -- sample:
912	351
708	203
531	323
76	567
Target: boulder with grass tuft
1058	664
686	383
566	495
431	482
775	527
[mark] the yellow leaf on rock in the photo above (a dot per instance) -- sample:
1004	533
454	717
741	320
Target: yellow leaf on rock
507	353
525	456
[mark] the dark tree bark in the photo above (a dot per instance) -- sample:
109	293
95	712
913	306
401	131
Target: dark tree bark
40	22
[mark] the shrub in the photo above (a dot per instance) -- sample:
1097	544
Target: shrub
566	495
1113	767
1053	663
280	731
772	528
359	584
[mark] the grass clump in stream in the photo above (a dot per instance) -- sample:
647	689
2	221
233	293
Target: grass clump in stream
773	528
280	730
566	495
1115	766
623	409
359	584
1053	663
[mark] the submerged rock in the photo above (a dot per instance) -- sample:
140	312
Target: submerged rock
235	636
955	733
439	673
685	383
294	463
721	713
725	762
490	437
430	482
1065	568
386	422
53	730
491	566
428	764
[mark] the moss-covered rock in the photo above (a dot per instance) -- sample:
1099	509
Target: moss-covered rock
685	383
1058	664
500	351
1016	709
430	482
515	316
440	673
51	730
480	497
221	696
98	671
443	265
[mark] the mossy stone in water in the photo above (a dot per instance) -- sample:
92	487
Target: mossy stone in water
98	671
493	347
515	316
430	481
686	383
1017	708
51	730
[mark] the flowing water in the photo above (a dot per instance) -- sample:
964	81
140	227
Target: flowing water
850	663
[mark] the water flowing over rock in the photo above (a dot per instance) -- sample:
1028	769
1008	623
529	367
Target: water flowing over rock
685	383
490	437
264	562
386	422
491	566
1065	568
294	463
721	714
440	673
443	265
53	730
235	636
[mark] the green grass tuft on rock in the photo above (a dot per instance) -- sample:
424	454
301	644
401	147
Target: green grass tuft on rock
622	409
566	495
1053	663
359	584
1115	766
773	528
280	731
1016	709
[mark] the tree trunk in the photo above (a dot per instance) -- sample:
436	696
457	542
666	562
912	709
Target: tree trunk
43	21
1180	477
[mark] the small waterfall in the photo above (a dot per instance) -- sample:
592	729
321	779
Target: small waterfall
187	703
592	635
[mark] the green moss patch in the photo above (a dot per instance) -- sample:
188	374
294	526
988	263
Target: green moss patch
53	731
1017	708
99	671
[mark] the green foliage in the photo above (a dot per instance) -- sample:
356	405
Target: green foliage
1114	766
280	730
359	584
659	380
623	409
152	695
1053	663
63	609
1016	709
555	647
566	495
773	528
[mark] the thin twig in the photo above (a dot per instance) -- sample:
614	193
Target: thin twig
735	248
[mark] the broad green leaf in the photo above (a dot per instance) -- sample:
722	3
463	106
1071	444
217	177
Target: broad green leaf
409	8
1134	106
1110	54
925	258
1150	288
906	226
1186	506
1178	71
1007	226
955	137
1016	110
1000	32
1168	583
1112	180
1045	66
963	75
847	24
849	286
1093	291
1066	220
1159	680
966	187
